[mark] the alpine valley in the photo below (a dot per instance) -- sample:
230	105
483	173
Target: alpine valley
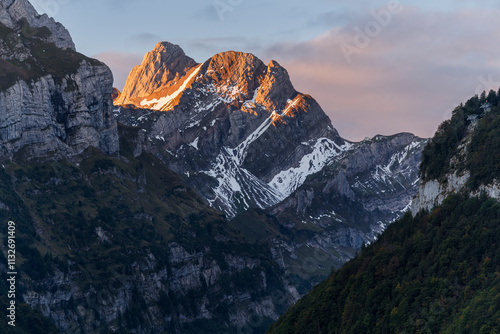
204	198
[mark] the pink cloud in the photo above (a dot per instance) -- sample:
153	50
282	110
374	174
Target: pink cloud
408	78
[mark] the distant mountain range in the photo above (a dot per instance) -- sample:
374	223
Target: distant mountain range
239	133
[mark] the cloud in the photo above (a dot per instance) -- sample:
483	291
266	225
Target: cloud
330	19
214	45
406	78
145	39
120	64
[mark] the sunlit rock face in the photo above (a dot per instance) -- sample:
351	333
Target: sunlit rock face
160	70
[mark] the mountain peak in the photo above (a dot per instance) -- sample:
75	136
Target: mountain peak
14	12
277	89
165	45
160	69
168	53
241	73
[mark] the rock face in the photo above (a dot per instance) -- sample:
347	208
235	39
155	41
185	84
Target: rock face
380	175
14	11
158	74
459	176
53	101
349	202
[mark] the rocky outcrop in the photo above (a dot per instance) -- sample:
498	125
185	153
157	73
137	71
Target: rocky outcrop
63	118
53	101
277	88
432	192
115	94
12	12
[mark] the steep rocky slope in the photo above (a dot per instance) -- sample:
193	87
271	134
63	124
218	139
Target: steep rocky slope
158	75
122	244
455	159
348	203
53	100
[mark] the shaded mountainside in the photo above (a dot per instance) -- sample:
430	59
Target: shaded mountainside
327	219
437	271
108	244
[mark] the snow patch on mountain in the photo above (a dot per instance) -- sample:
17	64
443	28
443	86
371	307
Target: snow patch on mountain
165	103
195	143
241	150
237	186
323	151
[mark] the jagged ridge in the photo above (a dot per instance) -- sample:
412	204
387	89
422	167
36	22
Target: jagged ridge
241	123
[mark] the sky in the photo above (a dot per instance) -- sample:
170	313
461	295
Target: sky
375	67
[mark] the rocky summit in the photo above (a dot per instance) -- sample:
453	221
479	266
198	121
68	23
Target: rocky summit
232	126
53	100
160	70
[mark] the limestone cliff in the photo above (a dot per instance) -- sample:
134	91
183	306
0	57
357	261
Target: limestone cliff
53	100
463	155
